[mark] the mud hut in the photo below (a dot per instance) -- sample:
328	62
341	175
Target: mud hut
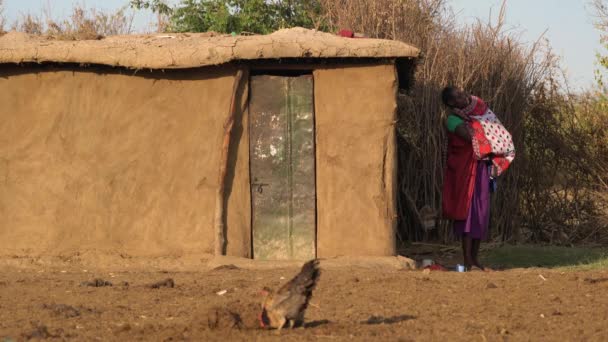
279	146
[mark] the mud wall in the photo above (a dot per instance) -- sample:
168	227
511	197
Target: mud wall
355	110
106	160
111	161
238	195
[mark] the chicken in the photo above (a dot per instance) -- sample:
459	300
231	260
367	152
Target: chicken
287	305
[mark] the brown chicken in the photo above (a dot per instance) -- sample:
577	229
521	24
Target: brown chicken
287	305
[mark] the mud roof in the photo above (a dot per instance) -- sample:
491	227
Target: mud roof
188	50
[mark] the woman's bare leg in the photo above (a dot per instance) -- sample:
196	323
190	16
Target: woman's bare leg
475	254
467	251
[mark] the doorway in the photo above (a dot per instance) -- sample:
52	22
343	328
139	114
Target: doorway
282	167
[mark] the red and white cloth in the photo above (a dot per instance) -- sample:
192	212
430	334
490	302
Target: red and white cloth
488	136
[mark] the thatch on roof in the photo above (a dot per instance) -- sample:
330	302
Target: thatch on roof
189	50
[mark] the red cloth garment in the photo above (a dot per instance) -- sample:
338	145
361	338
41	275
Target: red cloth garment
436	267
350	34
346	33
459	178
489	136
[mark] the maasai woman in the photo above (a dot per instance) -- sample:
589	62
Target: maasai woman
479	150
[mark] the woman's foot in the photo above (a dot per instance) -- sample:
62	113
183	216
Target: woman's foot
477	264
481	267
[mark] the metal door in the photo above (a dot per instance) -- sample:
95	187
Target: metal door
282	166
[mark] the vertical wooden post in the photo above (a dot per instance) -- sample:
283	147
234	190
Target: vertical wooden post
219	224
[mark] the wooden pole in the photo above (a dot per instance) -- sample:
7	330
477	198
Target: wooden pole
219	224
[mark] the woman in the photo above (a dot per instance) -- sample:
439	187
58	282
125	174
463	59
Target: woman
479	150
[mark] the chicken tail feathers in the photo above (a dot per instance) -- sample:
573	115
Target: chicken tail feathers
306	280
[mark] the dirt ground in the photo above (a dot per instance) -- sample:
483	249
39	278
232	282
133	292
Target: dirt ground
350	303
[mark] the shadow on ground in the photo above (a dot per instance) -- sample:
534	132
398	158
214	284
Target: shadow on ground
315	324
387	320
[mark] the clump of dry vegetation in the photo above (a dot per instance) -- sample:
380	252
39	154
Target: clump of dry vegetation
563	187
2	19
82	24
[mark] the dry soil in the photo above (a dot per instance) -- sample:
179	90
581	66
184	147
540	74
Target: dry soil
350	304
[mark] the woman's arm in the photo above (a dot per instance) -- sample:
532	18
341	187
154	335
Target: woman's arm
462	131
458	126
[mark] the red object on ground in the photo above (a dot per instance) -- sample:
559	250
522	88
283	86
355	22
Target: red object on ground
350	34
346	33
436	267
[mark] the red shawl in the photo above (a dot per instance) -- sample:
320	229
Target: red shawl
459	179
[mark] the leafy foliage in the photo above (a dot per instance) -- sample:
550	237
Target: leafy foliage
240	16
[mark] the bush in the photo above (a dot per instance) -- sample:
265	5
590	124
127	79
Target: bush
564	166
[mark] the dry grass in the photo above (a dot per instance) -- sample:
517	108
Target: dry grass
81	25
601	23
563	192
2	18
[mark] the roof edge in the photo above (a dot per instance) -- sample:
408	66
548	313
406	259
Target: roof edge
191	50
